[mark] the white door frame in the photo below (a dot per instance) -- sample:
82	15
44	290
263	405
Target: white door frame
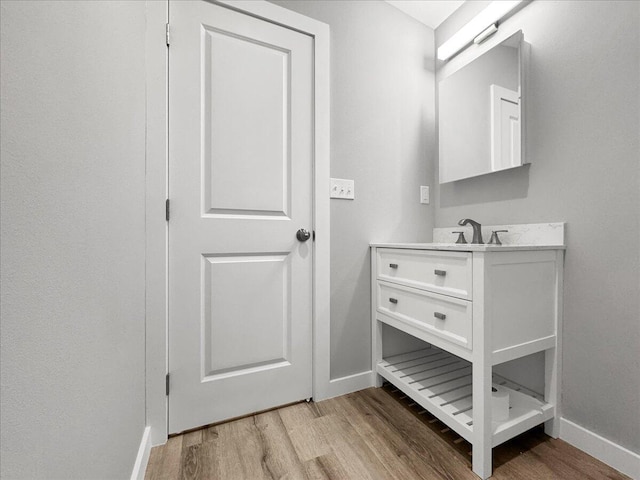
157	188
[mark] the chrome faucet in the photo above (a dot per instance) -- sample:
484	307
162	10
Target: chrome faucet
477	229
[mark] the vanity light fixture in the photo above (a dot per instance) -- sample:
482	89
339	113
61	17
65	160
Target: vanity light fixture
494	12
493	28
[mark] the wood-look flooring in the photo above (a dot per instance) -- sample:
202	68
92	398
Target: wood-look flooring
371	434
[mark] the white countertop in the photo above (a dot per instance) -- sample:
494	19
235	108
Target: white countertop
468	247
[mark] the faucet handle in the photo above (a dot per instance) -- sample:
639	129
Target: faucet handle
494	237
461	238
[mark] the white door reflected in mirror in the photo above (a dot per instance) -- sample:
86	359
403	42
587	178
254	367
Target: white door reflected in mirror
505	128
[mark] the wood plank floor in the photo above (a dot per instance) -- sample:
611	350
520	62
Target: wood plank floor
371	434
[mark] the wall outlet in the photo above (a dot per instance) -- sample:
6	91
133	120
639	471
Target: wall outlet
342	188
424	195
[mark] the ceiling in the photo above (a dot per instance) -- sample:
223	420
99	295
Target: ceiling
430	12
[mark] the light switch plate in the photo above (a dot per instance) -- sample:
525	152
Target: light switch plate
343	188
424	195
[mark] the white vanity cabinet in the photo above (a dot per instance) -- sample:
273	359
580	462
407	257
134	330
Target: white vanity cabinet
475	306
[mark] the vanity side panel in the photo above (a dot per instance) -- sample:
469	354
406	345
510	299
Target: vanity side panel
523	302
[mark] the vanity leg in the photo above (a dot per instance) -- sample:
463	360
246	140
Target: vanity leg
376	326
481	370
377	352
553	358
482	421
551	391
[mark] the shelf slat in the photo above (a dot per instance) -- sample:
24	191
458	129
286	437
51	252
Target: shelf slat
441	383
439	379
440	366
398	359
419	364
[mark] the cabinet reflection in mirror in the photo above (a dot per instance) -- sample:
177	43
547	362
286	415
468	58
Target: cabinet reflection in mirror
481	125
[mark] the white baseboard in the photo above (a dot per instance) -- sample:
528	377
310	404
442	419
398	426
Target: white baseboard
349	384
606	451
140	467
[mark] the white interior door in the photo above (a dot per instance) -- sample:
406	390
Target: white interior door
240	184
506	150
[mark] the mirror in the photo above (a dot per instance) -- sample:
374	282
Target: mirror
480	114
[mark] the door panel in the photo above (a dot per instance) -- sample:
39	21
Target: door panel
246	124
261	325
240	183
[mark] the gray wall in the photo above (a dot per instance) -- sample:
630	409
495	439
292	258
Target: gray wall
72	222
382	135
583	142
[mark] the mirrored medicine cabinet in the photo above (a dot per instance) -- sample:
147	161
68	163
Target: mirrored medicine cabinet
481	125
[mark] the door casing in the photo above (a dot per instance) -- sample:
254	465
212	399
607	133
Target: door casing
157	188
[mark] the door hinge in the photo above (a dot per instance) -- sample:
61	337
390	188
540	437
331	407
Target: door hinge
166	209
167	385
168	38
313	235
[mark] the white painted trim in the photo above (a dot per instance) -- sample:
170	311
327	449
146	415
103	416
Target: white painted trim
350	383
606	451
527	348
279	15
156	193
155	224
142	459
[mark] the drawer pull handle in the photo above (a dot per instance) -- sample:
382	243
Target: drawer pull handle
393	265
441	273
439	315
393	300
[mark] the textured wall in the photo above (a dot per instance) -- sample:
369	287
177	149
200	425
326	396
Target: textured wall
382	135
72	223
584	146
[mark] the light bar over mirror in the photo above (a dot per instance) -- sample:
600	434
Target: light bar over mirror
494	12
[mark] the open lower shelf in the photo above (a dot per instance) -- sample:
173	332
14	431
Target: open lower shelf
441	383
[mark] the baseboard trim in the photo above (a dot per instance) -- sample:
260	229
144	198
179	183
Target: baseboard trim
349	384
606	451
140	467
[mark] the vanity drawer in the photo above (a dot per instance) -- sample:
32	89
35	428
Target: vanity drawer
446	317
443	272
